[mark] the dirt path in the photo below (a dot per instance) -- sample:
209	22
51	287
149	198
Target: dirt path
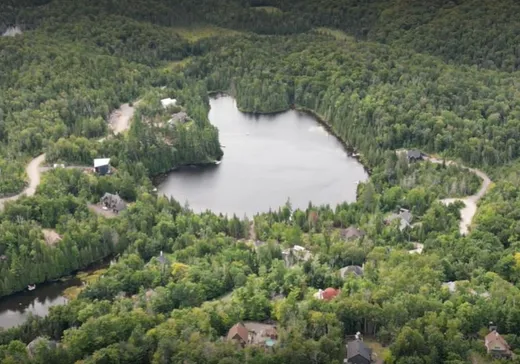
120	119
119	122
470	209
33	172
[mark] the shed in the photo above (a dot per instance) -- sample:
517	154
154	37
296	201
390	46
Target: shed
102	166
358	353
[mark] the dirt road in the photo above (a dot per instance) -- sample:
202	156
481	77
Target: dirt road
470	209
120	119
33	173
119	122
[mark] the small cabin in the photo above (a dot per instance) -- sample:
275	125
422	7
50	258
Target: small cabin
168	102
102	166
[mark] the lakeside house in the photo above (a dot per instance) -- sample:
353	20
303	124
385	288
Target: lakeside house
496	345
113	202
102	166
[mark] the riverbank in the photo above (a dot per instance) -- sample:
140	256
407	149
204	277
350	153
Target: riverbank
16	308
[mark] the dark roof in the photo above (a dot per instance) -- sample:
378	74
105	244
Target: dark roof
162	259
407	216
240	330
357	347
414	154
113	201
352	232
354	269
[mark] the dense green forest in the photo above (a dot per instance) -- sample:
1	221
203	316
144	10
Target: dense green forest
440	76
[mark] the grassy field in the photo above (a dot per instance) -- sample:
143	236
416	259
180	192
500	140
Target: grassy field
269	9
196	33
338	34
378	349
73	292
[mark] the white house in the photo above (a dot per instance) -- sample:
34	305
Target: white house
168	102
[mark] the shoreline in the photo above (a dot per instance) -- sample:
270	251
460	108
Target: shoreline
350	149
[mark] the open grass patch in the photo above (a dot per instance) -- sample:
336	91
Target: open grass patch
381	352
269	9
196	33
337	34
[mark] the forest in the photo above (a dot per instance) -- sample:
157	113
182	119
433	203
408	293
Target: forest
439	76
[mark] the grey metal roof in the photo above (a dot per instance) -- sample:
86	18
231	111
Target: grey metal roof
357	347
413	153
355	269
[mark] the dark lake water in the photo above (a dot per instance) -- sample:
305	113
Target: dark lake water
15	309
267	159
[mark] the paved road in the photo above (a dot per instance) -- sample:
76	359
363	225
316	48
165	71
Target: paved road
468	212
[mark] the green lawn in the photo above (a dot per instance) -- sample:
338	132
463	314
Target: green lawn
269	9
338	34
378	349
196	33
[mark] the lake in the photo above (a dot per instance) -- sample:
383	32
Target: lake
267	159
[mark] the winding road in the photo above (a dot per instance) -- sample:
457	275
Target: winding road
470	209
119	121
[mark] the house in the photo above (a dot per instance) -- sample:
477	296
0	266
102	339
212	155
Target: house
162	259
355	270
168	102
351	233
496	345
405	218
239	334
414	155
113	202
12	31
33	346
327	294
178	118
295	254
358	352
102	166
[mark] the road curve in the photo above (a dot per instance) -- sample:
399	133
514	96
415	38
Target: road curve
119	122
470	209
33	173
